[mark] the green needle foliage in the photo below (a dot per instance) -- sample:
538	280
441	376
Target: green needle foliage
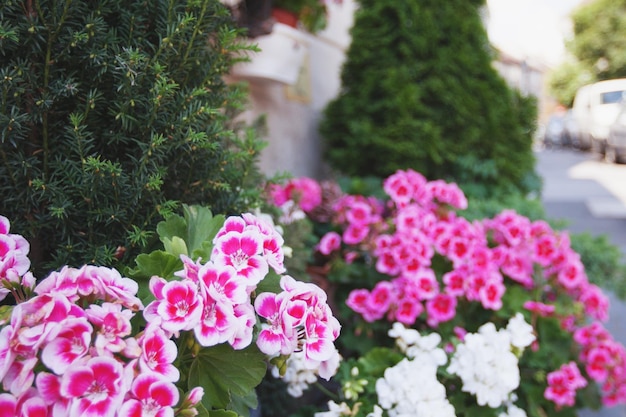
419	91
112	114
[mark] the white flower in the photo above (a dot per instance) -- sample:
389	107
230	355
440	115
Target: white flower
411	388
521	332
513	411
335	410
411	342
486	365
297	376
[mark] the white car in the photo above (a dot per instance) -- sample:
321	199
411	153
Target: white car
595	109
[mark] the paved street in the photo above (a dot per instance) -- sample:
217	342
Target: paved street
591	195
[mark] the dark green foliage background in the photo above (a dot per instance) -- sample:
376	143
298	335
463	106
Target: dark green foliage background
419	91
112	113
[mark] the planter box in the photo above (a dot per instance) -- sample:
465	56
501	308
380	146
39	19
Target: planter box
281	56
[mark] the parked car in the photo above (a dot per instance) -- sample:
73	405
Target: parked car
616	142
553	134
570	130
595	108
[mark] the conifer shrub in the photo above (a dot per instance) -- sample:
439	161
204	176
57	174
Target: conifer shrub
112	114
419	91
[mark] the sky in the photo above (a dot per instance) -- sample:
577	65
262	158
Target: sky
531	28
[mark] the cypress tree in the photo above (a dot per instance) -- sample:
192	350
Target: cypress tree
112	114
419	91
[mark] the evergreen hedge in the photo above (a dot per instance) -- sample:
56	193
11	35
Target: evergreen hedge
419	91
112	114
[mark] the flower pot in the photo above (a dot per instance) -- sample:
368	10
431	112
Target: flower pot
281	56
285	17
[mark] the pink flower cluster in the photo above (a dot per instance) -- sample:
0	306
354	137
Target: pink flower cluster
604	360
214	299
298	319
305	192
418	232
563	384
69	351
14	262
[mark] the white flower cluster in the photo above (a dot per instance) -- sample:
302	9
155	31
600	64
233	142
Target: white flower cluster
297	376
411	388
486	363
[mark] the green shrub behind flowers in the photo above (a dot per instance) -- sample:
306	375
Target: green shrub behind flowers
497	315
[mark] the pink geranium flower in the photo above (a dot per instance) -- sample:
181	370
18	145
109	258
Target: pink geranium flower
151	396
177	304
329	243
94	387
70	342
244	252
158	353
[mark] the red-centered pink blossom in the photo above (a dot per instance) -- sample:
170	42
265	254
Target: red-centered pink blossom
381	297
178	304
454	281
242	251
491	294
440	308
355	234
151	396
399	189
572	274
357	300
518	267
595	302
113	324
70	342
408	310
360	213
424	283
544	249
8	404
387	264
591	334
158	352
94	387
329	243
559	390
222	284
598	363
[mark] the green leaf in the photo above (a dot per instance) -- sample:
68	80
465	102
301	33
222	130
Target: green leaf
242	405
378	359
201	226
196	229
158	263
175	246
271	283
228	376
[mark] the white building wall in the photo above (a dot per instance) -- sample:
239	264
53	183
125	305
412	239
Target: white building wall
293	106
